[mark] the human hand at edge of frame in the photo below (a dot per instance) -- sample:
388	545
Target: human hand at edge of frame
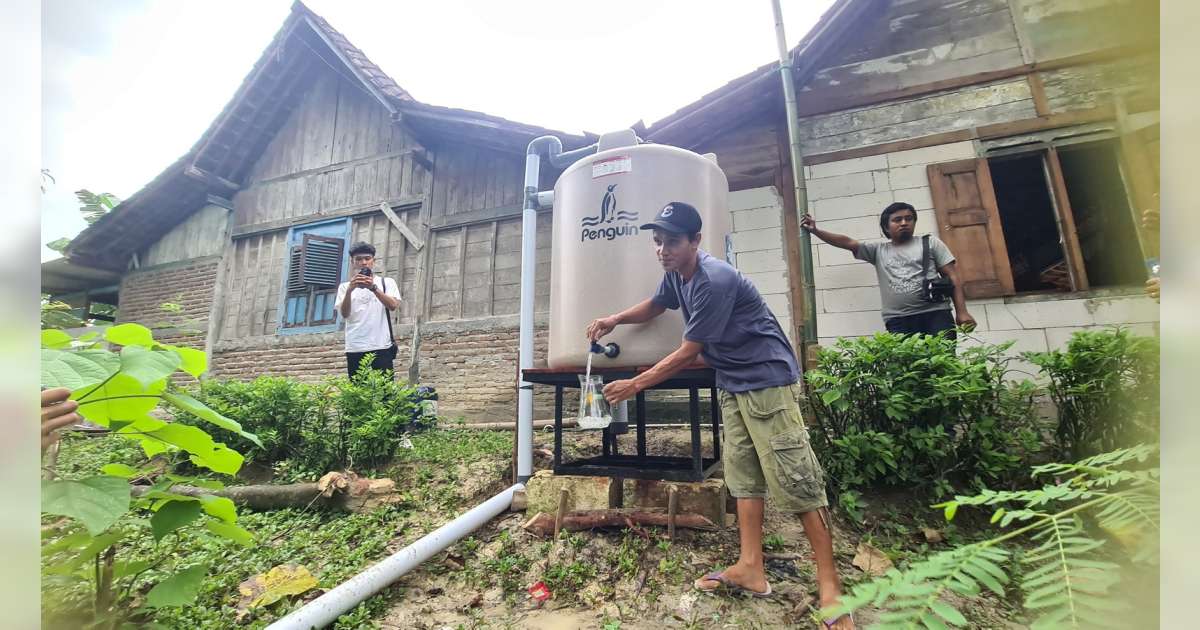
600	327
57	413
617	391
965	321
1154	288
808	223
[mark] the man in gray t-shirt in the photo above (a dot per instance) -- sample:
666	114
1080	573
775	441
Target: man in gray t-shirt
899	265
765	443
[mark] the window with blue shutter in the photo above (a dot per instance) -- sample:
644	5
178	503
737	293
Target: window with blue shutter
317	262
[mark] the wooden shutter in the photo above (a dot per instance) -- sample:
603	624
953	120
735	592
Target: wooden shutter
969	223
322	261
294	282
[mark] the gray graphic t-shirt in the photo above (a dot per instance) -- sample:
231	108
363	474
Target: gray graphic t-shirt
899	271
742	339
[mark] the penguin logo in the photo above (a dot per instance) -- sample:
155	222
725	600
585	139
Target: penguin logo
608	206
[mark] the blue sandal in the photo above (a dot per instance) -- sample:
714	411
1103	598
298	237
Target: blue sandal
724	583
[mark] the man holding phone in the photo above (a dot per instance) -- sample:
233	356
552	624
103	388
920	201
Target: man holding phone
366	302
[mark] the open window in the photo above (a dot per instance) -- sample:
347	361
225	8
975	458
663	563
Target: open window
1039	215
315	266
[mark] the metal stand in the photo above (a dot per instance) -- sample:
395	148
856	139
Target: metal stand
611	463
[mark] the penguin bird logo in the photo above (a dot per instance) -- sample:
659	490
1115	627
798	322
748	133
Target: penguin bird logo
608	210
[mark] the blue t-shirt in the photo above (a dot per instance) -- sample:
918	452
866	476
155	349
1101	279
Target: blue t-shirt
743	341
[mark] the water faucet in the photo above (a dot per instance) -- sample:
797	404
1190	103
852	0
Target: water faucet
610	350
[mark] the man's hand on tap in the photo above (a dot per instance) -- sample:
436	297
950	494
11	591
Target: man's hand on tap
600	327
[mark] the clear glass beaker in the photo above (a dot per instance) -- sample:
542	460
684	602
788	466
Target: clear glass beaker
594	412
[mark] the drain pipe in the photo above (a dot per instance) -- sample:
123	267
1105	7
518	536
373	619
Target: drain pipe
325	609
533	200
807	283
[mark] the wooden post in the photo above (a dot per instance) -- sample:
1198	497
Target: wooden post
672	510
562	510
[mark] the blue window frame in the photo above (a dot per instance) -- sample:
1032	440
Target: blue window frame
317	261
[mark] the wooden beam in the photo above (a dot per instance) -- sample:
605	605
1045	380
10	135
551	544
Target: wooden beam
891	147
333	213
1065	218
413	240
202	175
1041	105
791	238
475	216
1042	123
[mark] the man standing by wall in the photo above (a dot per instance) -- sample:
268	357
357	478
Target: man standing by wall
899	265
366	302
766	444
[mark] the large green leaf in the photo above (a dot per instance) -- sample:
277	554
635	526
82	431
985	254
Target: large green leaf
202	411
172	516
96	502
179	589
95	546
54	338
204	451
74	370
122	398
130	335
195	362
219	507
232	532
148	366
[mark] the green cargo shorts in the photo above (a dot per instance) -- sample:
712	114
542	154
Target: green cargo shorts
765	447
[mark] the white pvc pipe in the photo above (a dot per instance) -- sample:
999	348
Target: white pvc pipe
525	339
325	609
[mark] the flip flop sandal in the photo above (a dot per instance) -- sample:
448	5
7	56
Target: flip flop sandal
727	584
829	623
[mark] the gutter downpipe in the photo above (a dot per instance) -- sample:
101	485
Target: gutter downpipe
533	199
807	283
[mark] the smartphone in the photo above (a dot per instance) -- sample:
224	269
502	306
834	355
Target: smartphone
365	271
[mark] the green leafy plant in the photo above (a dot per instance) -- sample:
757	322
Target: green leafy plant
1105	386
120	391
1066	575
910	410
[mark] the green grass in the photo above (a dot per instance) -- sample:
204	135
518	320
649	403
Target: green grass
452	446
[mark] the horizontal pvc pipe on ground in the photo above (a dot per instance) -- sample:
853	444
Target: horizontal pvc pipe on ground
325	609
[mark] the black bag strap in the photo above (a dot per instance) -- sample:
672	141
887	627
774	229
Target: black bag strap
925	257
386	315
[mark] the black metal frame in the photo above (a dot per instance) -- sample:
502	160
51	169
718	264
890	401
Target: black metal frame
640	466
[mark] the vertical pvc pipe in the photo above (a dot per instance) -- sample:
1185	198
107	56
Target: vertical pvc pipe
525	341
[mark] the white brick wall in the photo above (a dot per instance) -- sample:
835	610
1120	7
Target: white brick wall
847	197
758	247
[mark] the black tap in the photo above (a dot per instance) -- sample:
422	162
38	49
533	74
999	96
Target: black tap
611	350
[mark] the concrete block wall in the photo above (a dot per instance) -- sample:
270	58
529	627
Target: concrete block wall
847	197
758	253
187	283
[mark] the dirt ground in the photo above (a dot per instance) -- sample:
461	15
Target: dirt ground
622	579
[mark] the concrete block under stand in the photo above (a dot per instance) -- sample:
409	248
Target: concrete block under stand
706	498
584	493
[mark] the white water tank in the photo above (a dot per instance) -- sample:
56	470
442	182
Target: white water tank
602	263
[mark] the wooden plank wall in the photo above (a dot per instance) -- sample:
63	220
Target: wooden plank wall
199	235
1055	29
395	258
472	178
337	150
748	154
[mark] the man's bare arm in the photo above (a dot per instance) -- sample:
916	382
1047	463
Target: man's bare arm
837	240
639	313
683	357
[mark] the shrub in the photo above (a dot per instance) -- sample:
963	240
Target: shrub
1105	385
908	410
309	429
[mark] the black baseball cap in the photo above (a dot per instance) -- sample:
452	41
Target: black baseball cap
676	217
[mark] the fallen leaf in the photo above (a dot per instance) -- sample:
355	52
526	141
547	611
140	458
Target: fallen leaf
871	560
267	588
932	535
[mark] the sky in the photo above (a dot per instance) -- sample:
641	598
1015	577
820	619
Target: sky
129	85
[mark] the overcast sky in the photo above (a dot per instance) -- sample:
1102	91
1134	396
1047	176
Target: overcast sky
130	85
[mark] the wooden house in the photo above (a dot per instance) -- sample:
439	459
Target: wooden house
1024	131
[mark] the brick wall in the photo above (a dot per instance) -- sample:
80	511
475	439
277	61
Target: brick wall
847	197
188	284
472	363
758	247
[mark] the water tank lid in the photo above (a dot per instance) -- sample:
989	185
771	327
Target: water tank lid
711	157
615	139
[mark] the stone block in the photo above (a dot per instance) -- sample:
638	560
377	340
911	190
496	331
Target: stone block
913	176
843	276
706	498
931	155
861	228
851	206
769	281
920	197
851	299
584	493
854	324
999	318
841	185
779	303
755	240
764	197
763	260
841	167
830	256
756	219
1124	310
1051	313
882	182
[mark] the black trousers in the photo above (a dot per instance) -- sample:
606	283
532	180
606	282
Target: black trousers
384	359
928	323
